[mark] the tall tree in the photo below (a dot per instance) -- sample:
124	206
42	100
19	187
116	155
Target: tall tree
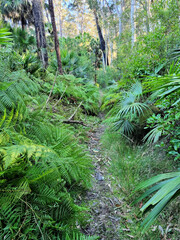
40	31
119	10
93	5
56	41
147	9
132	22
101	38
60	18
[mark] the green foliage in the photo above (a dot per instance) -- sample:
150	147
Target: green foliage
42	167
129	114
12	61
108	77
81	237
77	57
152	47
5	36
130	163
31	63
167	188
162	124
38	174
76	90
165	93
165	86
22	40
18	91
128	166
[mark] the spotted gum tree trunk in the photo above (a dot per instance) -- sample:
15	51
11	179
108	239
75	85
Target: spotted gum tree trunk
56	41
40	31
132	22
119	10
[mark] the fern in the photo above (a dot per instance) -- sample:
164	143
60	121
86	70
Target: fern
75	90
41	166
17	93
38	174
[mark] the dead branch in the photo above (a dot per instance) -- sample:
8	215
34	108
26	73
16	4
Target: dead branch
60	98
75	122
50	91
71	117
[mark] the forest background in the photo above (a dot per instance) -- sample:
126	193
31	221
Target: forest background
58	60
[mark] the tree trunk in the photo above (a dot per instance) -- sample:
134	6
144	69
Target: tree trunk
37	40
47	15
60	14
40	31
132	23
56	41
147	15
60	27
23	21
101	38
119	11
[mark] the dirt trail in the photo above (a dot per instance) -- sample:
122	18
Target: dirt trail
105	215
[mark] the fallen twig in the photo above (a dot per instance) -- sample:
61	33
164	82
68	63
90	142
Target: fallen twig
50	91
71	117
60	98
75	122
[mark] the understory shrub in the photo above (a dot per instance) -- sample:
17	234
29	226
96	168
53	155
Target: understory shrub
74	90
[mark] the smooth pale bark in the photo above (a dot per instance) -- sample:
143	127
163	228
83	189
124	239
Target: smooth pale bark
119	11
60	19
56	41
47	15
40	31
82	19
147	9
132	22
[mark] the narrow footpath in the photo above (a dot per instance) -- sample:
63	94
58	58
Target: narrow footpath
104	206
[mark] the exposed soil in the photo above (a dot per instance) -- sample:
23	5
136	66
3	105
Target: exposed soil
104	206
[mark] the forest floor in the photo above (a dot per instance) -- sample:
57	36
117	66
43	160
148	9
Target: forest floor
103	204
110	215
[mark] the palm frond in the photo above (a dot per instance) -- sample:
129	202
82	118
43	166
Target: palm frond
129	111
154	135
167	187
5	36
